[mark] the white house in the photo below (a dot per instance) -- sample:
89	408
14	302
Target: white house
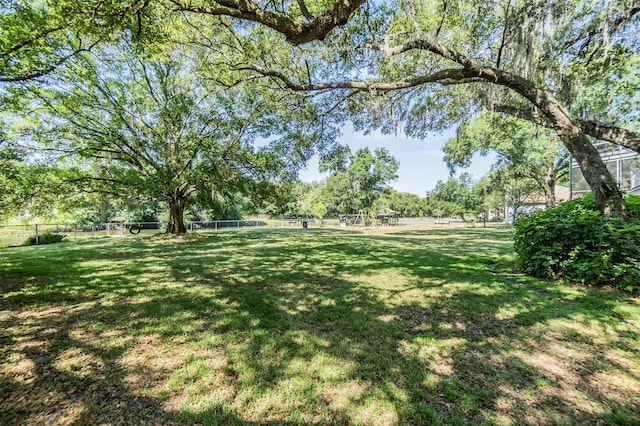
531	203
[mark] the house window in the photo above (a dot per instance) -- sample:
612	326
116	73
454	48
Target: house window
630	174
622	163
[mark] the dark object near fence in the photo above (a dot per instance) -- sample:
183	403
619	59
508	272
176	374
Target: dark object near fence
304	224
46	238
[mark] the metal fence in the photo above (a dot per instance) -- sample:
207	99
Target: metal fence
15	235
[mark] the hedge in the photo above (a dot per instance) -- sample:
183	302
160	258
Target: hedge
575	242
46	238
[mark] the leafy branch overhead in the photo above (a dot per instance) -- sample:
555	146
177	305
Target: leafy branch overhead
299	25
35	39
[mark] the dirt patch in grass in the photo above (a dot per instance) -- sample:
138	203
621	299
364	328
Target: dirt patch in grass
177	239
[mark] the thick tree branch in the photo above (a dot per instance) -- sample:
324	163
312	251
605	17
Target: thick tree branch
442	17
486	73
47	69
296	31
305	10
503	38
473	72
617	135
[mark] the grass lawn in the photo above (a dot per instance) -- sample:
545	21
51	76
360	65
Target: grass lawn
290	327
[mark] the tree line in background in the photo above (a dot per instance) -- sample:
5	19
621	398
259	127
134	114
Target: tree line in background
362	184
457	197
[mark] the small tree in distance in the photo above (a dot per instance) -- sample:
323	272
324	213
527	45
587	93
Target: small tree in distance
455	197
360	180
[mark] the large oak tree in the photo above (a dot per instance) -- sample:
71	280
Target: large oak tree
154	128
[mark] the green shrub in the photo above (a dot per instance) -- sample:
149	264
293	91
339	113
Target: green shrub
633	205
575	242
46	238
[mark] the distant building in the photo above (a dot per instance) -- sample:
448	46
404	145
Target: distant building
531	203
623	164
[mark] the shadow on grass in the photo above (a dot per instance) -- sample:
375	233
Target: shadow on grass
307	328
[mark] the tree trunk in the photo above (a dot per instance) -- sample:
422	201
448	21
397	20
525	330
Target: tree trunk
176	215
550	188
607	196
605	190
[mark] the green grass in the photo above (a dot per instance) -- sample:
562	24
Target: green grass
316	327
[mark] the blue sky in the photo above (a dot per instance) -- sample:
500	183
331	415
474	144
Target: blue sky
421	161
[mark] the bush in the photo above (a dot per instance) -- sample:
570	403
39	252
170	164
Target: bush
46	238
633	204
575	242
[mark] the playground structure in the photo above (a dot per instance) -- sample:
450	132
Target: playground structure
367	218
387	219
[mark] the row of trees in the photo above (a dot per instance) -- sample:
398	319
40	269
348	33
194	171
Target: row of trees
460	197
194	102
359	182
